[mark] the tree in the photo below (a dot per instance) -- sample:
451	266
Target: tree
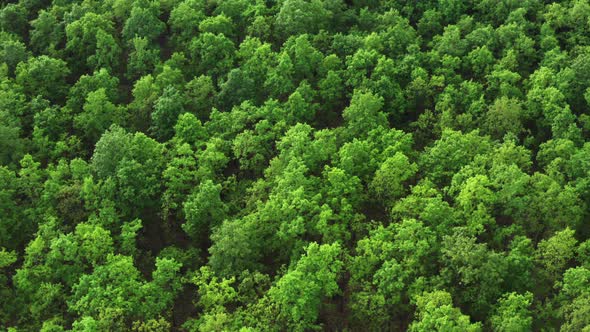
13	18
576	300
213	159
476	200
435	312
134	162
190	130
504	117
389	179
145	93
86	84
299	105
124	299
364	113
483	279
256	60
43	76
180	176
451	152
54	262
47	33
554	255
389	265
11	143
128	237
342	198
256	165
167	109
12	53
279	80
10	214
214	293
317	272
254	147
237	88
108	52
426	203
297	17
219	24
109	150
232	247
204	210
83	37
213	54
184	21
353	157
513	313
200	93
7	258
142	59
99	113
143	23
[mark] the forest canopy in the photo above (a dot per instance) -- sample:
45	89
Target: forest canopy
294	165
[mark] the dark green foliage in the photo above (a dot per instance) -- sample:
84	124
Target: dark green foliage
294	165
43	76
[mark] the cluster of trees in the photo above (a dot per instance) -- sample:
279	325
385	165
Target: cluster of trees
273	165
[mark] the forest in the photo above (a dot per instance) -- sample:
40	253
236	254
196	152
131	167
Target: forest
294	165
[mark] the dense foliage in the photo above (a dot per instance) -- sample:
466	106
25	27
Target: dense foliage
274	165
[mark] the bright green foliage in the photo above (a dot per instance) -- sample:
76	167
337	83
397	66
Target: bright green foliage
298	16
453	151
382	272
46	33
482	278
85	35
513	313
145	93
114	291
503	117
110	149
180	176
129	237
13	18
364	114
12	52
10	215
166	111
554	254
279	79
98	114
214	294
189	129
389	179
143	22
294	165
298	294
108	52
184	20
233	249
203	209
100	79
133	163
220	24
575	295
142	59
199	94
436	313
213	53
343	195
